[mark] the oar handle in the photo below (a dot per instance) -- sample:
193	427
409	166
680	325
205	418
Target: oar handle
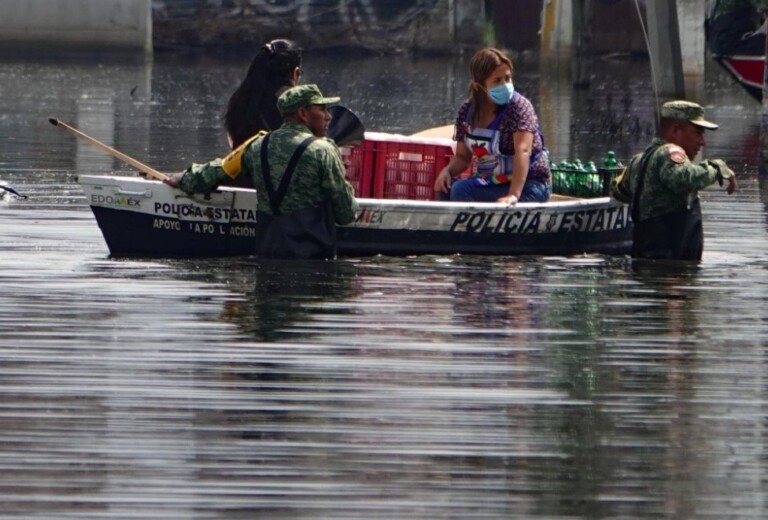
111	151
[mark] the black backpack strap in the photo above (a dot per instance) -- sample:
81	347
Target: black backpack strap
265	173
276	198
283	188
635	205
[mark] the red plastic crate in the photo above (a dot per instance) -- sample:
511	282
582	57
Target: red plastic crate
407	170
359	163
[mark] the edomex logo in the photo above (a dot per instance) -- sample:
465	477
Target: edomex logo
115	200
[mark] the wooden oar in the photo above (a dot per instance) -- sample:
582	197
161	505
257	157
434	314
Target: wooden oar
111	151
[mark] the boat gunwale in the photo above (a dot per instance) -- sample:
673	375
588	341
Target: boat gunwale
435	205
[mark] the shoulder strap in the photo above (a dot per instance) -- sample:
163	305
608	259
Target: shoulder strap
265	173
635	207
276	198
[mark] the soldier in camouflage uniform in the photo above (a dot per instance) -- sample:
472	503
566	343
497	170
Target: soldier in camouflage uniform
733	27
319	175
662	184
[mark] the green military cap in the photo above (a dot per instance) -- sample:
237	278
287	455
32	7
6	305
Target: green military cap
687	111
302	96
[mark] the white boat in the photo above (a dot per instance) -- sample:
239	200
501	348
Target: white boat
393	177
147	218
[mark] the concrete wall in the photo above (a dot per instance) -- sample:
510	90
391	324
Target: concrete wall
557	26
379	25
615	26
517	23
76	23
690	16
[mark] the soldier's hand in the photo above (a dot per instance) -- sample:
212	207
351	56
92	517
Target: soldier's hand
174	180
731	182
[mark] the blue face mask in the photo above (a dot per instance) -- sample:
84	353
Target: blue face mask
501	94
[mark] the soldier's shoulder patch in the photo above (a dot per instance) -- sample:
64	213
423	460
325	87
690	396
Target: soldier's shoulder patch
676	154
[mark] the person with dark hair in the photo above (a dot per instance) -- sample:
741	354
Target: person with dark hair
662	185
301	187
253	106
497	130
737	27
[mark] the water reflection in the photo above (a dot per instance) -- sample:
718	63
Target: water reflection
424	387
636	371
278	297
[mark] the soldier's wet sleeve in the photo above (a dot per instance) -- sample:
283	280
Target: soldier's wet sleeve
723	171
687	176
202	178
337	187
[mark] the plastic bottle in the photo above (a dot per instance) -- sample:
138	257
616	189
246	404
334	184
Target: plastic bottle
610	160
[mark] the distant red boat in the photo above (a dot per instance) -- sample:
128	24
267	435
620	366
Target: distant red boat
749	71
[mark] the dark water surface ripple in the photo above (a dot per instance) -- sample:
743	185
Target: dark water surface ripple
424	387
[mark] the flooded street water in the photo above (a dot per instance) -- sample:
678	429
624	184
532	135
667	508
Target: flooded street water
423	387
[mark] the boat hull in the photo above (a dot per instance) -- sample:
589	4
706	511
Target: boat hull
144	218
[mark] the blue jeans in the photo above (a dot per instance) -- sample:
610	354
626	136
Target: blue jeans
465	190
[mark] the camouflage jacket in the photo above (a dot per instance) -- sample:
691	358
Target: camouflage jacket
671	181
731	6
319	174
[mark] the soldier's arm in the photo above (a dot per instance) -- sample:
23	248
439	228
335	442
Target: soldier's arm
204	178
621	188
681	175
336	186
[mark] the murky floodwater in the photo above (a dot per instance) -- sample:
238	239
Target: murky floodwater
428	387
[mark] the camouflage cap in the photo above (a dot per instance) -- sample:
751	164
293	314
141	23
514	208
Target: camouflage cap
687	111
302	96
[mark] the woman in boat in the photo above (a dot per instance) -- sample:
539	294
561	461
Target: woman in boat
253	106
497	132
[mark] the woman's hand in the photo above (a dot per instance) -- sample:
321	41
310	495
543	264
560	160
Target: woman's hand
443	181
521	162
508	199
459	163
